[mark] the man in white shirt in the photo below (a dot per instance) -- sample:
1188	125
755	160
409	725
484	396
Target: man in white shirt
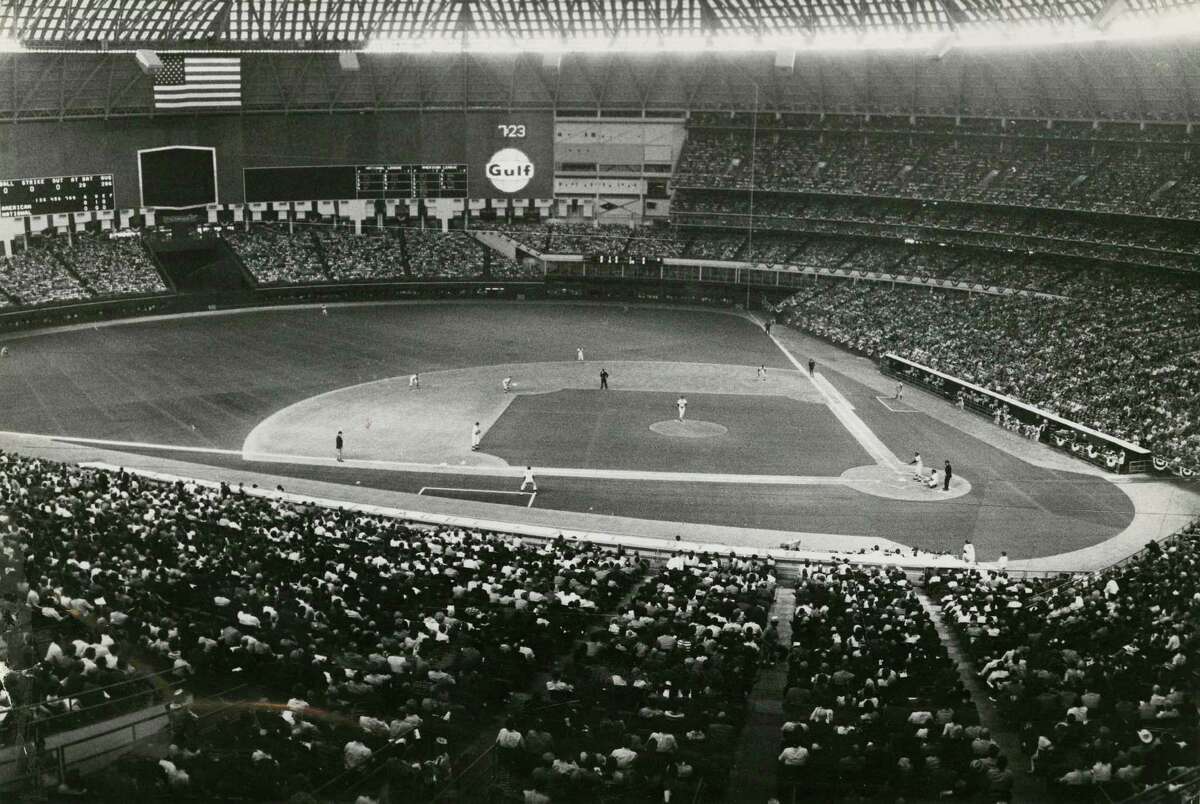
624	756
794	756
665	741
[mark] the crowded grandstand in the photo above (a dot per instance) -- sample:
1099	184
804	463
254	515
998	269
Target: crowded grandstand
492	402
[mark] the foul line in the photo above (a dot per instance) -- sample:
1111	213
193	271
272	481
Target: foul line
532	494
883	400
479	491
844	411
465	469
105	442
557	471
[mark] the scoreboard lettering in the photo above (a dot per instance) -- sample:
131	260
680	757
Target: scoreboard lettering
410	181
365	182
48	195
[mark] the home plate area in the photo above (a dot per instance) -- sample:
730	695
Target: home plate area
639	430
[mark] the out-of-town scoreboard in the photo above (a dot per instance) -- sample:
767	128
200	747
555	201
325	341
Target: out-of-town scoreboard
369	182
410	181
50	194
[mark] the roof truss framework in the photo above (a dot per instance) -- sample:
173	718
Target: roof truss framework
354	23
1161	83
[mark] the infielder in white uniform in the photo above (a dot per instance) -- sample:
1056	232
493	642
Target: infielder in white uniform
476	436
681	403
579	353
762	373
414	381
529	481
506	384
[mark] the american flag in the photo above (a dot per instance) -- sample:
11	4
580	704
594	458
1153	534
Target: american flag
186	82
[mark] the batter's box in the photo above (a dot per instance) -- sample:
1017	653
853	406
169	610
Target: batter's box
523	499
896	405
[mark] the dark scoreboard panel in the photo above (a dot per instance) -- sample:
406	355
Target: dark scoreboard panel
368	182
44	196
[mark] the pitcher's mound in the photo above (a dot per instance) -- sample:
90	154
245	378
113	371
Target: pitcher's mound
689	428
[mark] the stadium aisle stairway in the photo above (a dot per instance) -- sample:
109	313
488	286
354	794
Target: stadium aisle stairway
319	250
70	269
1025	788
754	772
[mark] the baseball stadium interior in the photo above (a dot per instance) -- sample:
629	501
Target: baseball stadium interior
501	401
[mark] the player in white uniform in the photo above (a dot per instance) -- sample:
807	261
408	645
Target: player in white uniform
476	436
681	403
506	384
325	311
579	353
918	466
762	373
529	481
414	381
899	390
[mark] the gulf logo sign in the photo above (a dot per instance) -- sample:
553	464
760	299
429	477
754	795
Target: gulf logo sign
509	170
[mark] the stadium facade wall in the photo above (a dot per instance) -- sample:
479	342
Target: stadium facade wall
57	148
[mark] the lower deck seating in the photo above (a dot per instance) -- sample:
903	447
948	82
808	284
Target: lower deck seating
1098	673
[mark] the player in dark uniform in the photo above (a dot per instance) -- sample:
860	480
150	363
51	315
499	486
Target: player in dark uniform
603	379
338	444
812	366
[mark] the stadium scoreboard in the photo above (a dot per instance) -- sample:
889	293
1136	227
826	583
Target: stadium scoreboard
48	195
621	259
367	182
410	181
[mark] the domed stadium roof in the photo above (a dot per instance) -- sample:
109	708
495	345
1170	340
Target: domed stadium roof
478	24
